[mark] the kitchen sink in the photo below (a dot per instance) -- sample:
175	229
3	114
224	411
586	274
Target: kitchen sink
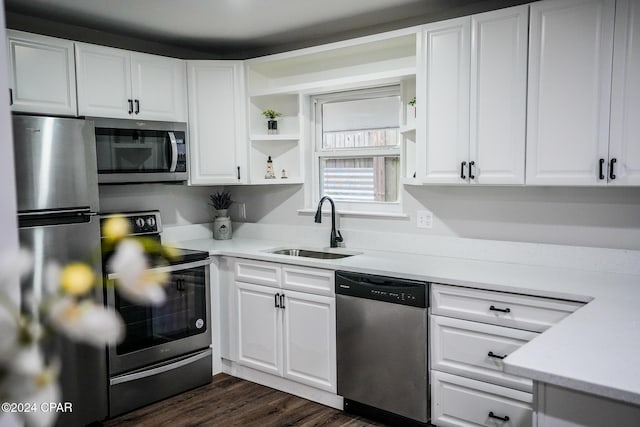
313	253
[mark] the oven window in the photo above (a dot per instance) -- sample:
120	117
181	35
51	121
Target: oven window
132	150
182	315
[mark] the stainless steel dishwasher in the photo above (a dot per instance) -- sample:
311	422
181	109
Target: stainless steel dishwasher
382	351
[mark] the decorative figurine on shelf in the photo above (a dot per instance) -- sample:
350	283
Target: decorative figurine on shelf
270	174
284	174
222	223
272	122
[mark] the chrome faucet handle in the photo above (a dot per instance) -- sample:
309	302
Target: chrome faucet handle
339	236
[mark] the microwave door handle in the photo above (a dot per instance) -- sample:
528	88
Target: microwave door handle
174	152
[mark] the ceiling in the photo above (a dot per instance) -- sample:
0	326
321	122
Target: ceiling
246	27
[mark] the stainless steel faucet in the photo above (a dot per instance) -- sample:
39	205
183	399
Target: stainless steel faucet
336	237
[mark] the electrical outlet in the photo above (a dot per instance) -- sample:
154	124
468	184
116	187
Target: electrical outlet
242	211
424	219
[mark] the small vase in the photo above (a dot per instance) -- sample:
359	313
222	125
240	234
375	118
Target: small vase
272	127
222	225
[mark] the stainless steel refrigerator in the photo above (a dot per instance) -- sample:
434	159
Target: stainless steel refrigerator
57	191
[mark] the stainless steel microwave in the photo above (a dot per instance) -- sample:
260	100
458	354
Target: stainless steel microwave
131	151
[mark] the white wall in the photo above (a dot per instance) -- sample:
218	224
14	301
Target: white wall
8	221
178	204
595	217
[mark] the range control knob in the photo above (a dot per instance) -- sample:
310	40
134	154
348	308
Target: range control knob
151	221
139	223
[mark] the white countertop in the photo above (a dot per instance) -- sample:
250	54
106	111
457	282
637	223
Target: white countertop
595	350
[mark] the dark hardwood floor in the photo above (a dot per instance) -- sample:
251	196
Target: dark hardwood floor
230	401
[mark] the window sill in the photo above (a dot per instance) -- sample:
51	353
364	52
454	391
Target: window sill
355	213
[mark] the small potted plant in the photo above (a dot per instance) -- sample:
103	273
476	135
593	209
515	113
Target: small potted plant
272	120
412	103
221	201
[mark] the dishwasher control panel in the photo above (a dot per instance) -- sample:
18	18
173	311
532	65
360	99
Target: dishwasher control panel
382	288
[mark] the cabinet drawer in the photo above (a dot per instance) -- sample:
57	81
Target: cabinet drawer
458	401
258	272
312	280
462	347
499	308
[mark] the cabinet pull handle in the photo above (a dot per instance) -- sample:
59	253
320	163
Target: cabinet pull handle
238	173
600	169
137	101
501	310
130	101
496	356
494	416
282	301
277	298
462	165
611	165
471	175
10	96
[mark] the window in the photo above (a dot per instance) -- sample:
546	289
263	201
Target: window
357	149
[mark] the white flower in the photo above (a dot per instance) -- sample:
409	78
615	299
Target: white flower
86	321
28	380
14	265
136	282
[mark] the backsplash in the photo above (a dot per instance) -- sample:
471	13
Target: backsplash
578	216
178	204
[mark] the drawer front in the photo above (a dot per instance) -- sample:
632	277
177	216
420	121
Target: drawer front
462	402
258	272
475	350
499	308
311	280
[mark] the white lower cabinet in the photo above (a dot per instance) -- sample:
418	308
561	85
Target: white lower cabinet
476	350
309	339
463	402
287	333
471	332
259	328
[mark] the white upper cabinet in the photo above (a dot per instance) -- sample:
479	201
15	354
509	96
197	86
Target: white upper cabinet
159	87
42	74
474	77
498	96
104	81
121	84
217	128
445	71
570	56
624	145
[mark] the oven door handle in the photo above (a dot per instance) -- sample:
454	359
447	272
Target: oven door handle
170	268
174	152
160	369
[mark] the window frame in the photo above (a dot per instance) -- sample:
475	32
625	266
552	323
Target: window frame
318	152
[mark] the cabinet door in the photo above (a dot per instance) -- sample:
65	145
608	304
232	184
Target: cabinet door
216	122
159	87
446	73
310	339
570	54
42	73
104	81
498	95
259	328
624	146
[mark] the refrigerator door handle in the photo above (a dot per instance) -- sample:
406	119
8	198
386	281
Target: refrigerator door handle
174	152
54	217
